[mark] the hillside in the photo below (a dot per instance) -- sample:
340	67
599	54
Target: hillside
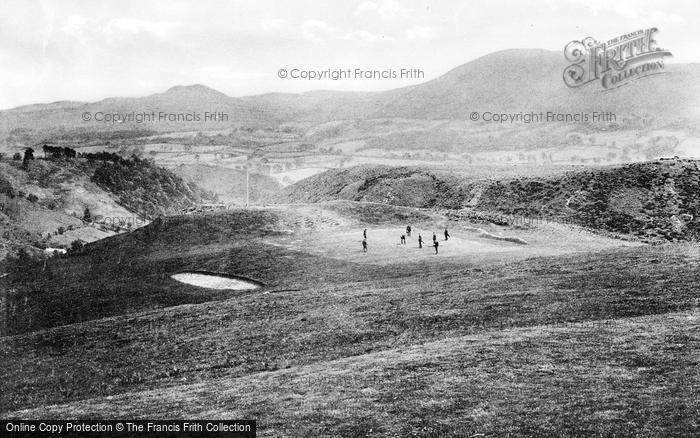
652	201
573	333
147	188
531	80
655	200
44	205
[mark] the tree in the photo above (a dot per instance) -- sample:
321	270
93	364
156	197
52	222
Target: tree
28	155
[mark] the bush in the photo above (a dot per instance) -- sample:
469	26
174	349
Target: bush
32	198
6	188
17	157
76	247
28	154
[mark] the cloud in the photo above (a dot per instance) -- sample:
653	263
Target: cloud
78	26
630	9
390	10
316	30
272	24
84	28
366	7
126	27
419	33
217	71
365	36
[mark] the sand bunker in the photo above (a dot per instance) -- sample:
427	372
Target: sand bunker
213	281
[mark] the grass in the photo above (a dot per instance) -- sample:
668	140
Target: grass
450	346
630	378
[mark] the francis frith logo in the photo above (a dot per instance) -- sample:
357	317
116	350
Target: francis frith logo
615	62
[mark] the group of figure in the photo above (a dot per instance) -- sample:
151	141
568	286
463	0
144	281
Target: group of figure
436	244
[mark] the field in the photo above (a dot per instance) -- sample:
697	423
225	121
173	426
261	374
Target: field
569	332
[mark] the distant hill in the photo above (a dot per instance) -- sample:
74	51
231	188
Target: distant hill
194	99
318	106
507	81
424	125
531	80
510	80
653	201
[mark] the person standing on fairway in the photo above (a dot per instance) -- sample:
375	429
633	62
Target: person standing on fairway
408	231
436	244
364	233
434	237
364	245
420	241
403	239
447	235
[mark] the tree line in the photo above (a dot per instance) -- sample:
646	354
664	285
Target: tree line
57	152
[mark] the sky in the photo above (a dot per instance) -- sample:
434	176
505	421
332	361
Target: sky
87	50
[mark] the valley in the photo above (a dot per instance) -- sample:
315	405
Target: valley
214	268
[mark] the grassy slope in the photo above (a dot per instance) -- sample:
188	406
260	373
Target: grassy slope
629	378
319	310
655	200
